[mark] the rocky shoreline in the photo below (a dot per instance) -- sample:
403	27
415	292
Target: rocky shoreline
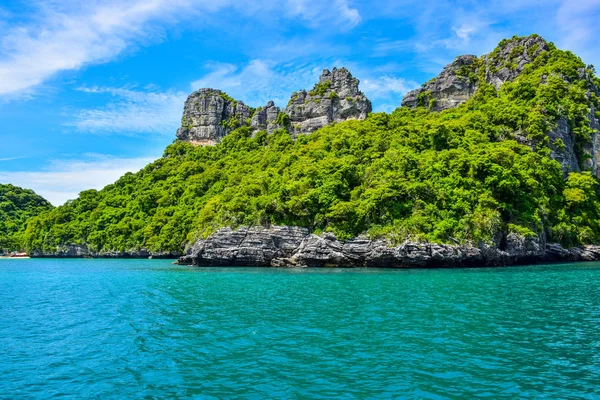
288	246
285	246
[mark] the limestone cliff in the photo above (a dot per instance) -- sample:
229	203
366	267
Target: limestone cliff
460	80
265	118
209	114
449	89
335	98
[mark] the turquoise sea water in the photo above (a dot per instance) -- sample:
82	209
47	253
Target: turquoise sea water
149	329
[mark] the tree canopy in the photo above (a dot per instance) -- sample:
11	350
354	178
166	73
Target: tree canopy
16	207
454	176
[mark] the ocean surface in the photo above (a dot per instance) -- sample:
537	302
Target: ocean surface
149	329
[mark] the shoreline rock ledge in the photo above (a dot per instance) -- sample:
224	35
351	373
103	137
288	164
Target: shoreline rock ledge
286	246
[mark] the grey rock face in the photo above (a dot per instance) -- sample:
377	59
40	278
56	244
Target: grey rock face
458	80
335	98
265	118
509	60
284	246
452	87
562	146
209	115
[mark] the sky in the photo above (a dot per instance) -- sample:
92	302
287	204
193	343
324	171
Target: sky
91	89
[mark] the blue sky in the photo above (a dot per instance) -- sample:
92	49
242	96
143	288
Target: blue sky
92	89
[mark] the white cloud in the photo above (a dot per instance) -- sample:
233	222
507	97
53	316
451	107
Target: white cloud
259	81
61	40
132	111
351	15
11	158
444	29
385	86
578	24
386	47
62	180
68	36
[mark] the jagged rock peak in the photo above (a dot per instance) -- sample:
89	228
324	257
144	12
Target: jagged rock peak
452	87
265	118
459	80
334	98
209	115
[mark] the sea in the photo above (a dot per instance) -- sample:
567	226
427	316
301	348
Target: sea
104	329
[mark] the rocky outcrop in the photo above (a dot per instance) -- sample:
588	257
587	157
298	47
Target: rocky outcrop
82	251
562	146
335	98
459	80
452	87
265	118
209	115
284	246
511	56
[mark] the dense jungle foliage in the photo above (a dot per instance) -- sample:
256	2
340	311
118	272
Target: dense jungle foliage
454	176
16	207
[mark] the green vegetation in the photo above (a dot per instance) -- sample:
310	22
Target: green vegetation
282	119
228	98
231	123
320	88
424	98
451	176
470	70
16	207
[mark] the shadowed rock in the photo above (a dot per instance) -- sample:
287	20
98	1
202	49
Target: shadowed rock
209	114
265	118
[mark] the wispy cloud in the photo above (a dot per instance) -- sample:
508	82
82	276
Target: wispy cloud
62	39
62	180
259	80
67	36
338	12
578	24
131	111
444	29
386	86
12	158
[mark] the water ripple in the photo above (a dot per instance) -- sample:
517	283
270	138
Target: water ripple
145	328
